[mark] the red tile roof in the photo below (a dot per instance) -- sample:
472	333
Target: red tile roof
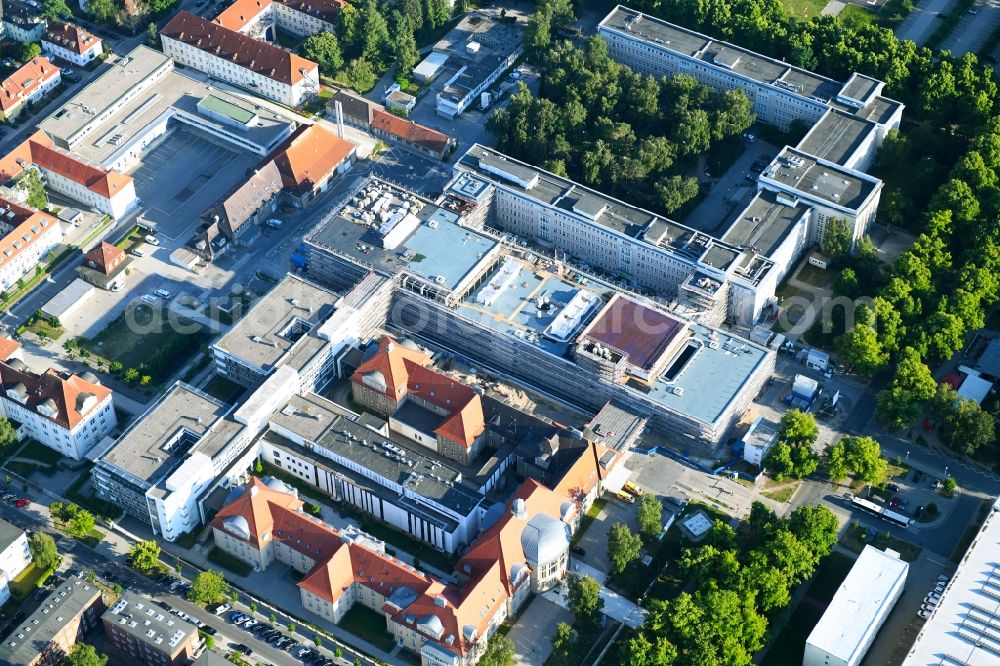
104	258
237	15
28	226
66	395
406	371
410	131
37	149
8	348
31	76
255	505
324	10
258	56
309	156
70	36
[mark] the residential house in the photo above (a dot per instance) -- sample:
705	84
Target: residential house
15	556
410	134
71	43
28	236
309	160
35	79
104	265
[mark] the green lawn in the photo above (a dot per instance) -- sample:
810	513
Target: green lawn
89	500
783	494
147	339
789	645
37	451
368	625
855	15
830	573
227	561
28	580
803	10
855	539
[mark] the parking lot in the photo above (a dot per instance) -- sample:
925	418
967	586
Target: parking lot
404	167
731	191
183	176
594	541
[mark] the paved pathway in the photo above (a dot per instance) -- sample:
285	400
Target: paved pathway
972	31
922	21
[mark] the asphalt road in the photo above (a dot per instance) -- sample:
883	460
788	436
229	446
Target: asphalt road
972	31
922	21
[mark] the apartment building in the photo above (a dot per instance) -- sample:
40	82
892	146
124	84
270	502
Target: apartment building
28	236
15	556
232	56
67	412
147	633
244	209
71	43
524	551
30	83
22	23
372	117
70	612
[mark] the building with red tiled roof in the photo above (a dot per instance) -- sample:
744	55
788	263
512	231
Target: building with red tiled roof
28	235
71	43
411	134
26	86
309	160
66	412
106	190
266	69
524	552
429	407
103	266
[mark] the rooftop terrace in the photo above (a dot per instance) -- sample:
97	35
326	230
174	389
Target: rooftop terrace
427	243
764	223
820	180
165	436
332	428
278	321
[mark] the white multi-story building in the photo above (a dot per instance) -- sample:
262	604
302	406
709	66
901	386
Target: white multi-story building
780	93
232	56
27	85
15	556
28	236
66	412
481	50
758	440
858	609
261	18
71	43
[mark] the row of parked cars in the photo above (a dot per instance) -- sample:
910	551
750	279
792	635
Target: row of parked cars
263	632
933	598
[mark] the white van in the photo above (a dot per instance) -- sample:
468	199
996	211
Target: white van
162	293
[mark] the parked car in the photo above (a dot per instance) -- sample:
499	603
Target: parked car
21	503
892	488
243	649
944	578
222	609
236	616
935	484
274	223
152	240
136	252
162	293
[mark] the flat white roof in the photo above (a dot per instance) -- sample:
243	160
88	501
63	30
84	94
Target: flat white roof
975	388
960	631
431	64
857	605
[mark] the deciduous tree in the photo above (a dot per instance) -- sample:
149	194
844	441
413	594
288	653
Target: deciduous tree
624	547
145	555
208	587
43	550
585	600
650	514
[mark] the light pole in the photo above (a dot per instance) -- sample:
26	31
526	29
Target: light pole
907	459
946	472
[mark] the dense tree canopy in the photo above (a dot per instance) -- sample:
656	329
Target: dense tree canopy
629	135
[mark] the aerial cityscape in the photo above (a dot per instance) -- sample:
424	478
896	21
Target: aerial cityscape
441	332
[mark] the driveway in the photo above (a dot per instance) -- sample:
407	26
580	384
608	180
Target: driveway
595	540
532	633
973	30
616	607
922	21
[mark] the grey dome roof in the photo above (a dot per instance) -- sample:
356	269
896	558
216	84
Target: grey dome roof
544	539
517	572
277	484
237	525
565	508
430	625
375	379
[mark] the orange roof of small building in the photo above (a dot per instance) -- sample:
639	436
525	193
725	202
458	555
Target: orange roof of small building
8	348
237	15
410	131
309	156
242	50
70	37
584	474
104	257
31	76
